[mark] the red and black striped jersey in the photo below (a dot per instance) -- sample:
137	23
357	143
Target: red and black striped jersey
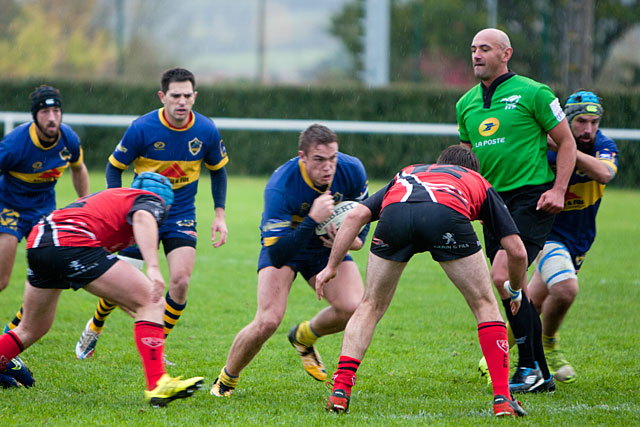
454	186
99	219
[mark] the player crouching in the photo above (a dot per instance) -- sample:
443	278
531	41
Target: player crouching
74	248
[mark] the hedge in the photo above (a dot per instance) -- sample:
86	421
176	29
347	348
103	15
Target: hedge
258	153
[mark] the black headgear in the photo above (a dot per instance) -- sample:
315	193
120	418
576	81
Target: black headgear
44	97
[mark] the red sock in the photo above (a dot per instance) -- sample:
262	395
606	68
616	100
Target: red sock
149	338
345	377
10	347
495	348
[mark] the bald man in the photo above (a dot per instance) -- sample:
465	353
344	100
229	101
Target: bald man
505	120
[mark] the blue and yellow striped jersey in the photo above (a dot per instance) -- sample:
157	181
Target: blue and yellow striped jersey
290	193
152	144
29	171
575	226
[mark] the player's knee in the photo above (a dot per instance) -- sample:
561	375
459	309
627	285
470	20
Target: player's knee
267	326
565	292
178	287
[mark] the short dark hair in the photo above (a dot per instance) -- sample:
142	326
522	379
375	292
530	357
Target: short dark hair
176	75
459	155
314	135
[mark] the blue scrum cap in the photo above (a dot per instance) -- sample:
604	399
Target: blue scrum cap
582	102
156	183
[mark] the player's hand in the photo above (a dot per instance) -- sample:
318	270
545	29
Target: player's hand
219	231
154	274
551	201
328	239
322	279
322	207
515	296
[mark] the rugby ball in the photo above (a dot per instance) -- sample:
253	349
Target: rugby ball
340	212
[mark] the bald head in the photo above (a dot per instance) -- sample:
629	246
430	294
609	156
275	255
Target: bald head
498	37
490	53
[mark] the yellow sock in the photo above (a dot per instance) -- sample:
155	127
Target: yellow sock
549	343
305	335
227	379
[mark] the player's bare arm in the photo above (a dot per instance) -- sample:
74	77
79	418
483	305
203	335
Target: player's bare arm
345	236
553	200
331	235
80	179
219	230
593	168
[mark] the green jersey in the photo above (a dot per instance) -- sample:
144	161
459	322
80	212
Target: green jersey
507	127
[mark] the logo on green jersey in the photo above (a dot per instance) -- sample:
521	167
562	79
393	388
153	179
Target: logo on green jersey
489	126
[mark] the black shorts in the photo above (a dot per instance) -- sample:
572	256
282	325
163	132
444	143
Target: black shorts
534	225
62	267
405	229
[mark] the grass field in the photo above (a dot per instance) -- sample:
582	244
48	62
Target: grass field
420	368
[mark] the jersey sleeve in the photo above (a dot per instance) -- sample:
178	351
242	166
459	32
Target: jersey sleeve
548	111
374	203
127	149
73	144
216	156
276	218
463	134
7	156
496	217
150	203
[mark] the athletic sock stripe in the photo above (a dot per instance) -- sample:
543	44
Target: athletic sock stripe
348	368
149	323
169	315
491	324
15	338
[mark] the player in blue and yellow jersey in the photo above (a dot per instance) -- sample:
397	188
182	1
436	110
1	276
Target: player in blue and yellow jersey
32	158
554	284
299	195
173	141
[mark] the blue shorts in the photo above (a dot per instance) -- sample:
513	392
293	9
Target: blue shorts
173	233
308	263
19	223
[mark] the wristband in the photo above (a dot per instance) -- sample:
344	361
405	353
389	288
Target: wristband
516	296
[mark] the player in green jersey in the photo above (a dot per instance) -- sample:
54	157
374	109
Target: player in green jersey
505	120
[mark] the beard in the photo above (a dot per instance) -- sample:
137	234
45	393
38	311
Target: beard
585	146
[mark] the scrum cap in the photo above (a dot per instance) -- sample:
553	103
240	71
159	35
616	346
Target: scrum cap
44	97
156	183
582	102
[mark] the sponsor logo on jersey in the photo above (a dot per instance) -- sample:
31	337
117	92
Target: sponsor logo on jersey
159	145
449	239
275	224
557	110
195	145
510	102
379	243
121	148
186	223
36	166
65	154
489	126
223	150
175	174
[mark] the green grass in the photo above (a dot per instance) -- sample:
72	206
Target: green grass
420	368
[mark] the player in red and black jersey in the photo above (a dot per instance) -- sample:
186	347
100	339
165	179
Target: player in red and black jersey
430	208
74	248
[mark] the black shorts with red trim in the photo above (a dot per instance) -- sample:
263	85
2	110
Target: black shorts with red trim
405	229
64	267
534	225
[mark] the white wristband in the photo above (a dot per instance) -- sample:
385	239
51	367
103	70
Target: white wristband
515	296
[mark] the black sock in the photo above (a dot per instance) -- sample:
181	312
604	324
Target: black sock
522	328
538	349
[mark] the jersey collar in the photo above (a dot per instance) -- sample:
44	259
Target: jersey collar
487	93
164	121
307	180
36	141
